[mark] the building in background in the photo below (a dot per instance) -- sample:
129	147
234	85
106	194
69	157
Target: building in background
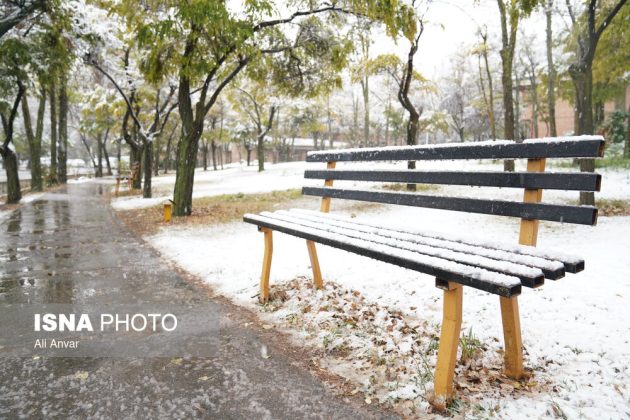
565	116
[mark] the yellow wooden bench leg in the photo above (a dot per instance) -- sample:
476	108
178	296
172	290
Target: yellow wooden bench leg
317	272
513	356
266	267
449	341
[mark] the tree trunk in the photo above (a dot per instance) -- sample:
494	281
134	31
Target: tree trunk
213	146
329	121
99	156
599	115
156	153
167	160
204	152
533	85
260	152
508	104
491	117
517	107
34	146
412	137
107	162
37	178
148	169
87	148
508	43
551	79
185	174
626	143
582	77
52	174
355	121
366	110
535	109
118	155
10	163
63	131
135	161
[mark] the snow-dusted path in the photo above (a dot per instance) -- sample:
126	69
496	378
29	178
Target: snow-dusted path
67	247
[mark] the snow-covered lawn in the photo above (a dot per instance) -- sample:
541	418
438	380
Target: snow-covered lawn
239	178
234	179
575	331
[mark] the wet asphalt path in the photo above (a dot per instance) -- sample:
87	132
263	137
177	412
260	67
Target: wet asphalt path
68	247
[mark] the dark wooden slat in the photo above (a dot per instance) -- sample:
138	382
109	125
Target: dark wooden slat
551	212
531	150
545	180
506	291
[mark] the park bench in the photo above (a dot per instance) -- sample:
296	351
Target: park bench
455	261
127	177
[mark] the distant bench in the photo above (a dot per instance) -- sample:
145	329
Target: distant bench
454	261
127	177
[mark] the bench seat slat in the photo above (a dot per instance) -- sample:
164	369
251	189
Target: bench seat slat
572	263
584	215
529	276
545	180
571	147
478	278
551	269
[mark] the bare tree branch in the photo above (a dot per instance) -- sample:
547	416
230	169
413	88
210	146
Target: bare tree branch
240	66
93	62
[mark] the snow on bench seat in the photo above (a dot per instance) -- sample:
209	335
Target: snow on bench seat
388	251
529	276
550	261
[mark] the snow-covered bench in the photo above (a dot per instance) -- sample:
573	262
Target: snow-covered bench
454	261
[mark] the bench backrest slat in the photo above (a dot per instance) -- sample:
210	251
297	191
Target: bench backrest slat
584	215
583	147
532	180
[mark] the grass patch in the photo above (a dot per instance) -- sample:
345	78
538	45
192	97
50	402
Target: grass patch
471	346
124	192
209	210
613	162
616	162
613	207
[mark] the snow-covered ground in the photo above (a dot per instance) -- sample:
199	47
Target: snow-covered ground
575	331
234	179
239	178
